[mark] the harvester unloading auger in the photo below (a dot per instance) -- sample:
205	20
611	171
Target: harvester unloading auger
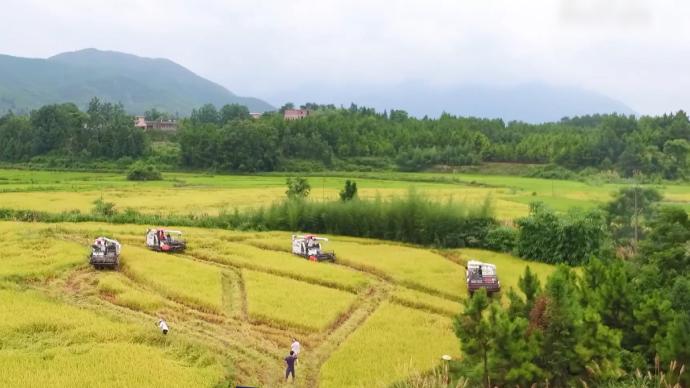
309	247
105	253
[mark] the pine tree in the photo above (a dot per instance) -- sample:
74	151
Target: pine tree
512	359
530	286
476	335
562	331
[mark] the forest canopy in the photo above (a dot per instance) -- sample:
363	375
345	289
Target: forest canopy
229	139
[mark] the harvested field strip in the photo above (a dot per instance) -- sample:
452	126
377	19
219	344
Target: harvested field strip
412	267
252	361
282	264
422	301
279	301
120	290
50	343
183	280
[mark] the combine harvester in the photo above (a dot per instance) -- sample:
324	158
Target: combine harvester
309	247
482	275
163	240
105	253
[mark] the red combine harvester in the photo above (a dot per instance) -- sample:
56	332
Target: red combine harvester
309	247
163	240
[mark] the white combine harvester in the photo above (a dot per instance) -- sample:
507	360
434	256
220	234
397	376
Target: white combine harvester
309	247
105	253
482	275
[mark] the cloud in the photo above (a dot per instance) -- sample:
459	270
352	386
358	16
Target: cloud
632	50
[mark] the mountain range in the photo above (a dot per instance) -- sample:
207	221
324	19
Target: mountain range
138	83
532	102
143	83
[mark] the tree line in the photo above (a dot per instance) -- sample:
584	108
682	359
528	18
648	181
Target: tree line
103	131
229	139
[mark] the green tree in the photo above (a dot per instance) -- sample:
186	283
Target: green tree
298	188
476	335
110	132
562	332
573	338
530	286
627	212
154	114
230	112
571	239
349	191
246	146
677	150
286	106
207	114
512	360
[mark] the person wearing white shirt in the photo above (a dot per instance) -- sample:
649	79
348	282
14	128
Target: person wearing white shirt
163	326
295	347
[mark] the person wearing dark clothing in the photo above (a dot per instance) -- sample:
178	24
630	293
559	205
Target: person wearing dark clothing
290	362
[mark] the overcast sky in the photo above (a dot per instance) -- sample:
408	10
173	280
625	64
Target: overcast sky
634	51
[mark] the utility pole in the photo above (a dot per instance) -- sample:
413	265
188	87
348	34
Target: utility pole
636	174
635	200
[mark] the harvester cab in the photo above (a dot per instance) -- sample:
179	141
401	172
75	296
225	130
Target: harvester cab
164	240
105	253
310	247
482	275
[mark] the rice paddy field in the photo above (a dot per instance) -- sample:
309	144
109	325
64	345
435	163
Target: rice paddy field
234	300
189	193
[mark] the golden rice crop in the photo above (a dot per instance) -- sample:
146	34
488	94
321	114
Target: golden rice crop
424	301
393	342
45	342
409	332
26	254
181	279
121	291
29	316
282	263
286	302
102	365
411	267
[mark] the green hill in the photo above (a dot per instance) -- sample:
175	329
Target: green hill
138	83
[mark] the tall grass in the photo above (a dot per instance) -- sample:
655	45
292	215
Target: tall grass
411	218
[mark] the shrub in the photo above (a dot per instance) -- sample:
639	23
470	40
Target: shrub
552	171
102	208
349	191
144	172
501	239
570	239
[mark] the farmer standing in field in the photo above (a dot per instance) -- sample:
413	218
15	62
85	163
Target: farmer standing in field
295	347
290	363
